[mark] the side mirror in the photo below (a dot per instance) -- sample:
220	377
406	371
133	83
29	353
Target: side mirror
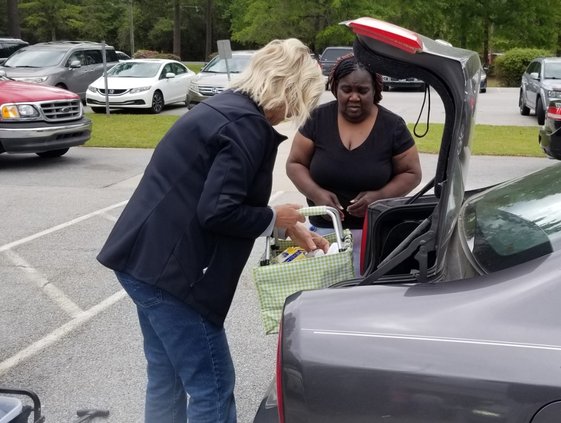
170	75
535	75
75	64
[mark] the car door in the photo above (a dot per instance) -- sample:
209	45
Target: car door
82	74
168	85
533	86
183	75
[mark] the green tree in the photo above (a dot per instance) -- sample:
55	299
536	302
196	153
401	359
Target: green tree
315	22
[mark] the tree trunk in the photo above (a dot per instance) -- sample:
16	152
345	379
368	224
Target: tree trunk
486	37
208	24
14	29
177	28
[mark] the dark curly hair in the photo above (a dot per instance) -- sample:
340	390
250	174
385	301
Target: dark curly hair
347	64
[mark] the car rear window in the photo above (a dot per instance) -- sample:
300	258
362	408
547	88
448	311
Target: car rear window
514	222
332	54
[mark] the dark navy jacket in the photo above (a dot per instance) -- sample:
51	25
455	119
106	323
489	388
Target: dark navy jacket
191	223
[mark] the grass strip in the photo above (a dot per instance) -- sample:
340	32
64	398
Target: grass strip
143	130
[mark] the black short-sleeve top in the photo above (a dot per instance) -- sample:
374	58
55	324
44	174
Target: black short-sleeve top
348	172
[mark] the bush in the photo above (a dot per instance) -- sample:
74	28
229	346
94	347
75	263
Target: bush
151	54
510	66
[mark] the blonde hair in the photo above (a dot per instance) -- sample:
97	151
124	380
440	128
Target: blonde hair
283	74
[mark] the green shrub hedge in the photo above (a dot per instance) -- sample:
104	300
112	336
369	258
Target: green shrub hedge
510	66
151	54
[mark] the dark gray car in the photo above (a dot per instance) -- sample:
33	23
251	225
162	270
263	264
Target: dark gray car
541	82
329	57
456	318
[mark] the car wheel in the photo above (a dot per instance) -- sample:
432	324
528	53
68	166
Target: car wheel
524	110
540	112
52	153
157	102
98	109
483	90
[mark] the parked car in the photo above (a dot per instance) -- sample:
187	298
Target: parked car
540	83
329	57
215	76
456	316
40	119
122	55
142	84
8	46
550	133
482	81
72	65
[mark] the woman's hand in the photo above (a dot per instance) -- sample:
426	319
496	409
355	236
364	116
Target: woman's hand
360	203
288	215
307	239
322	197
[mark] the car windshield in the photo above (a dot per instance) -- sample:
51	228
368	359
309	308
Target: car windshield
236	64
35	58
134	70
333	54
514	222
552	70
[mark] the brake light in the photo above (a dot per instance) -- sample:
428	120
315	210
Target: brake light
554	111
280	405
387	33
363	243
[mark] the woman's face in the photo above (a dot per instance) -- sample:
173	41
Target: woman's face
355	95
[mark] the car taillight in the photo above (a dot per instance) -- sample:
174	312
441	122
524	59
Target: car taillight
363	243
387	33
280	405
554	111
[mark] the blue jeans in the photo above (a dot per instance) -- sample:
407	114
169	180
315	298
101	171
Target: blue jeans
190	370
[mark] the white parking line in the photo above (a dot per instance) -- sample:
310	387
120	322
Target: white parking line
55	294
80	317
25	240
57	334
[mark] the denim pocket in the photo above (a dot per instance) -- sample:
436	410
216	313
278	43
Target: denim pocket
142	293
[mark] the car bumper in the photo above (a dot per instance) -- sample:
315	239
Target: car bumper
137	101
197	97
39	137
268	409
550	142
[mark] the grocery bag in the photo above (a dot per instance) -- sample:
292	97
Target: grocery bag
276	281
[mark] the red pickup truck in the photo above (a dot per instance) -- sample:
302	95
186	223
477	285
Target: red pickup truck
40	119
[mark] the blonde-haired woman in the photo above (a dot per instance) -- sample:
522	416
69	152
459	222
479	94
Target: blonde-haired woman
184	237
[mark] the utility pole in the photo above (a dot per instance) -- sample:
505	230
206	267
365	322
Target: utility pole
176	28
14	29
208	35
131	24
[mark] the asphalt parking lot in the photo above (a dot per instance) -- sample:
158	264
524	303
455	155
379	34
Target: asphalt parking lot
67	330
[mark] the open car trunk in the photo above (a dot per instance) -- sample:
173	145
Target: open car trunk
405	239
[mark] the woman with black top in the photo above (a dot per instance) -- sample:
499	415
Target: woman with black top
352	151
